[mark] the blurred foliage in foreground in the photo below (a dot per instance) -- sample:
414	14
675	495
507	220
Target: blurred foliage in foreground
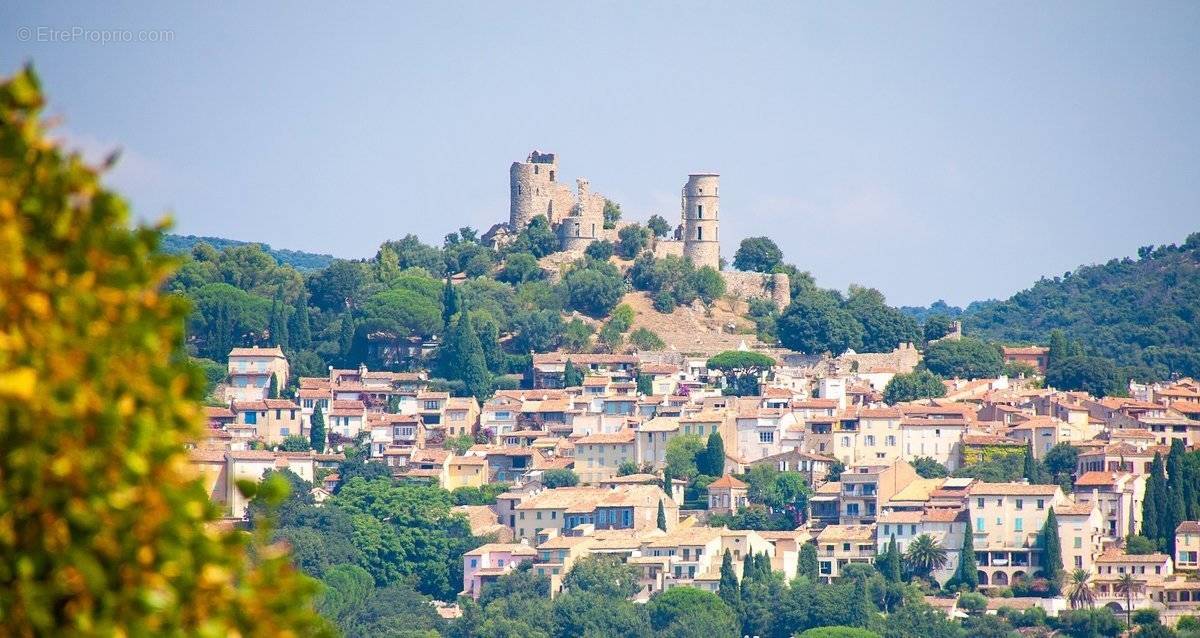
102	532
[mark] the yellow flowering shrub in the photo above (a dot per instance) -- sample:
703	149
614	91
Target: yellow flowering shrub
103	530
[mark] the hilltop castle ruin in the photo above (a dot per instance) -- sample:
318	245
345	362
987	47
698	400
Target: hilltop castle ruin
577	217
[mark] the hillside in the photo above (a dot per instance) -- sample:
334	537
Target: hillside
297	259
1142	313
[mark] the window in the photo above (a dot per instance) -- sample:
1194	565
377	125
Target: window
431	405
1018	524
845	547
912	530
1020	503
979	523
891	441
284	432
1078	542
1041	503
700	234
871	439
700	211
979	502
766	437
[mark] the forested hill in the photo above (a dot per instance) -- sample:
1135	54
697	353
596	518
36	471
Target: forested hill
297	259
1142	313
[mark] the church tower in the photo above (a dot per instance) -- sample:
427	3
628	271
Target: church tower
701	220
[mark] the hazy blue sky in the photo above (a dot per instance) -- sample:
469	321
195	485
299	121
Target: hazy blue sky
937	150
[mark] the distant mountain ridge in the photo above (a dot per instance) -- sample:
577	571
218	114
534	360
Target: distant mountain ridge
298	259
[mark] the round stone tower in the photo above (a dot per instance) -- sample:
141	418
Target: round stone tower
701	220
531	189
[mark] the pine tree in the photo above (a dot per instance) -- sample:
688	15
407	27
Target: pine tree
1051	545
299	328
316	430
808	561
729	591
273	389
279	320
714	456
450	305
662	516
968	571
572	377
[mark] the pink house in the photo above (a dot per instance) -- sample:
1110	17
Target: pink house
486	563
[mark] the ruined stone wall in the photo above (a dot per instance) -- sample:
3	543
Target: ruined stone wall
754	285
665	247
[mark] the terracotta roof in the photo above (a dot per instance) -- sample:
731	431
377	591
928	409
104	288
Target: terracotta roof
1026	350
215	412
1074	509
1118	556
846	533
625	435
206	456
1188	527
257	352
1098	479
727	482
943	515
264	404
1013	489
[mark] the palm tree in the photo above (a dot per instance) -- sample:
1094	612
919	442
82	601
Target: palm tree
925	555
1080	593
1125	585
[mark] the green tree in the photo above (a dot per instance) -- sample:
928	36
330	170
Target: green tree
659	226
537	238
884	328
928	467
612	213
646	339
967	574
601	250
461	357
316	430
94	382
937	326
450	304
294	443
559	478
815	323
604	575
1079	590
593	288
687	612
1095	375
631	240
300	328
273	387
728	588
965	358
346	337
279	320
519	268
919	384
712	461
661	519
681	455
576	335
758	254
925	556
808	561
1051	546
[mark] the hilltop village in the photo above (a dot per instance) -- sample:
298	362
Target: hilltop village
571	397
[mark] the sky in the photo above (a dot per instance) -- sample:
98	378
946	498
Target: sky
954	151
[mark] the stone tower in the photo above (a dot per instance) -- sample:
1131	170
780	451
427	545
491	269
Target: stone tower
534	190
701	220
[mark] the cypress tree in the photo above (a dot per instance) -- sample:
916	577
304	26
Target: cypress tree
463	358
1161	493
277	320
1058	347
273	388
1031	469
729	591
1176	510
860	605
762	566
808	561
662	516
450	304
714	456
1051	545
968	570
346	337
893	565
1150	511
747	568
572	377
316	430
299	328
